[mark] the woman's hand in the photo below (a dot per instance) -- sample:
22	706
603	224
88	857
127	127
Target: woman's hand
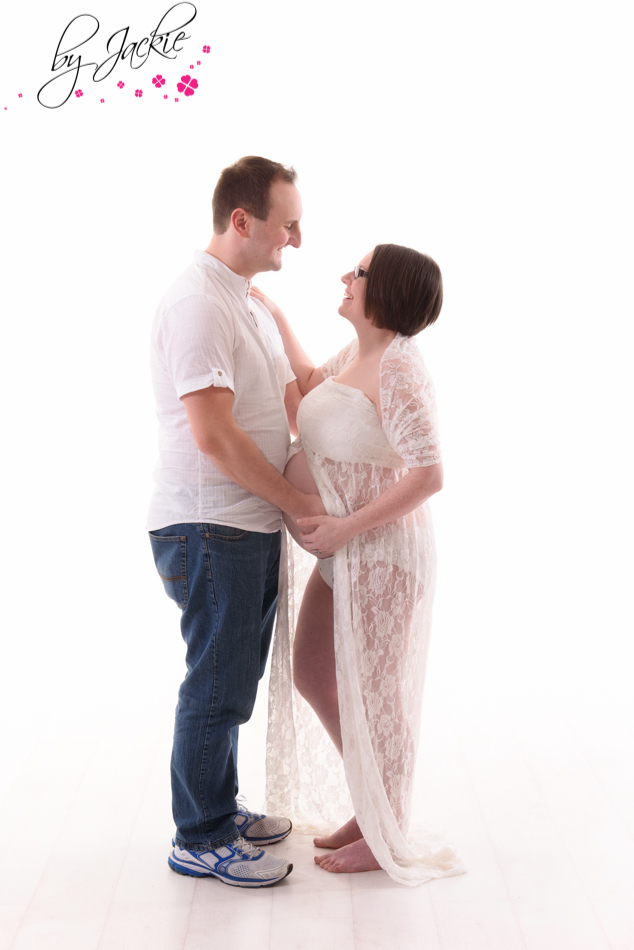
398	500
329	535
302	366
276	313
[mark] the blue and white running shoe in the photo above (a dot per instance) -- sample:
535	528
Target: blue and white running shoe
236	863
261	829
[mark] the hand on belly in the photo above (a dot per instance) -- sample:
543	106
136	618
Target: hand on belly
298	474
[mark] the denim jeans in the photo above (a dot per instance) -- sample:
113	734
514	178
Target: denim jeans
225	582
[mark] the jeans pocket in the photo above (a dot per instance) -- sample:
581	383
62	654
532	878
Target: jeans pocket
224	532
170	557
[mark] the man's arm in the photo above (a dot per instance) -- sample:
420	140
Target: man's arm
292	399
217	435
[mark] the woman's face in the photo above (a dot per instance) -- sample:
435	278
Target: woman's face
353	303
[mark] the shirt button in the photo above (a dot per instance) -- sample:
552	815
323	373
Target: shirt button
219	373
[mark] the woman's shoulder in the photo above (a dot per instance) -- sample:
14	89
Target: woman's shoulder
334	365
403	363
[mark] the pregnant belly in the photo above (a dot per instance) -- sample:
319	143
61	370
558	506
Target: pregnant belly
298	474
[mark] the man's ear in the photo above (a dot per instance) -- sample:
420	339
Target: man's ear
240	222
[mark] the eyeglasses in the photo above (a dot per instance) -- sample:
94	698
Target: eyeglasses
359	272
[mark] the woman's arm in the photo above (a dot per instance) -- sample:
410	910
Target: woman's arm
407	494
308	375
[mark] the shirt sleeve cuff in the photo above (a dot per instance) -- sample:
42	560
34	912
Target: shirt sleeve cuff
217	377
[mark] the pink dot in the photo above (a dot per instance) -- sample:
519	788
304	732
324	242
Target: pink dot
197	63
165	97
191	65
102	100
176	99
19	95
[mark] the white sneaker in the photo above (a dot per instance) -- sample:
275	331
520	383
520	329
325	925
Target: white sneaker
236	863
261	829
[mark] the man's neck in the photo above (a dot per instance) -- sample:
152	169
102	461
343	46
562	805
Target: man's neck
227	255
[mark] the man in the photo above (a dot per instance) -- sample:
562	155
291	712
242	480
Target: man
225	397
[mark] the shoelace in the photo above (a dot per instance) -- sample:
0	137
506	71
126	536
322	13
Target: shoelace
246	847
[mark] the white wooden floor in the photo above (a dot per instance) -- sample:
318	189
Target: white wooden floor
536	792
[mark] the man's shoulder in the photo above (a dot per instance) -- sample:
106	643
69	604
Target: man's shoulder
194	287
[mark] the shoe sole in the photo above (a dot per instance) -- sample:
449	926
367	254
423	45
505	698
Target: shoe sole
225	880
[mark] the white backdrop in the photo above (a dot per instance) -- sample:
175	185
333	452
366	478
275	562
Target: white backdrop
495	137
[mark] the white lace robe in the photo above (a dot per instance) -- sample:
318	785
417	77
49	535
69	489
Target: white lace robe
383	591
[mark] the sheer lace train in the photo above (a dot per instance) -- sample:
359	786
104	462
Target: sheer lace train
383	591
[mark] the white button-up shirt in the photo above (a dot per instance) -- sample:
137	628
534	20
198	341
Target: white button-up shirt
208	331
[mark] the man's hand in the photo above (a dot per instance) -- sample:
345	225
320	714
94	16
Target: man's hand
311	505
325	534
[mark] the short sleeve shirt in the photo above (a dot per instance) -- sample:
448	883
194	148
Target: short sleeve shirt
208	331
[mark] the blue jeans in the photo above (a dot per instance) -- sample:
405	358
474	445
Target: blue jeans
225	582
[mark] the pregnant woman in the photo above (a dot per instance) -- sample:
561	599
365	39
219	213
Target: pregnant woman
368	443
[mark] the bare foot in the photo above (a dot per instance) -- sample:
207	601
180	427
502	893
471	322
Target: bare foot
345	835
353	857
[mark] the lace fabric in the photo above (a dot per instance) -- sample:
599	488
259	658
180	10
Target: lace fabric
383	592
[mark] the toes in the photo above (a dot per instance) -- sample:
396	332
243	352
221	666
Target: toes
326	842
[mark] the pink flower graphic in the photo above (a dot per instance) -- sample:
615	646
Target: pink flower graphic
120	84
138	93
206	49
102	100
158	81
78	93
187	85
19	95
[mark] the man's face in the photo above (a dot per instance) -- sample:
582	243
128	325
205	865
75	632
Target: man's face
268	238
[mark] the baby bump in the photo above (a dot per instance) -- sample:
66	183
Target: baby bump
298	474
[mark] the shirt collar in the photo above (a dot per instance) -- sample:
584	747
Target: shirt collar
240	285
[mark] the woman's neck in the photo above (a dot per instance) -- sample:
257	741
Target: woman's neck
373	341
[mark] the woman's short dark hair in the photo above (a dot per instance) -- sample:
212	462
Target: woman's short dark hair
247	184
403	290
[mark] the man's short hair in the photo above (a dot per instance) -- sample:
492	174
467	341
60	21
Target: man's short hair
403	290
247	184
